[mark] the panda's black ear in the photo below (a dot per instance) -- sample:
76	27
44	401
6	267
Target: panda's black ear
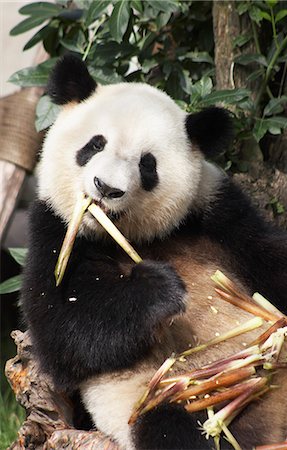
211	130
70	81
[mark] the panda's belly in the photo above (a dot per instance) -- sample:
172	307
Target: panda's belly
110	398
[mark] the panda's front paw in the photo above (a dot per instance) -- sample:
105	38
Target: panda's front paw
162	287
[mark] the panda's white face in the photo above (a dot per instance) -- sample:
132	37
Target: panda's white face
125	146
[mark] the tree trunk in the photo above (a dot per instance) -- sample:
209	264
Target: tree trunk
49	423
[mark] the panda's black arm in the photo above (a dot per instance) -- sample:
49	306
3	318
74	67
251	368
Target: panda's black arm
97	319
258	250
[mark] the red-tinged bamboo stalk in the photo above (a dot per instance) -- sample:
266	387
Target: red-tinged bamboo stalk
282	322
227	285
274	343
164	368
250	325
274	365
165	394
253	388
253	360
215	383
279	446
264	303
248	306
242	354
236	392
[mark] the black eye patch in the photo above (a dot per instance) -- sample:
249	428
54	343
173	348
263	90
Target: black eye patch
95	145
149	176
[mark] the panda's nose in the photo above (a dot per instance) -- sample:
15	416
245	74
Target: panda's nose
107	191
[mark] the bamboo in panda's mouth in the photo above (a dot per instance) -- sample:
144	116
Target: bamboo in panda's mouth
82	204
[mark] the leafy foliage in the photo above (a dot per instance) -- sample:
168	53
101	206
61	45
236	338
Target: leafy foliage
169	44
13	284
11	417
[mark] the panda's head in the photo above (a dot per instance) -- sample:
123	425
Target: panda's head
129	147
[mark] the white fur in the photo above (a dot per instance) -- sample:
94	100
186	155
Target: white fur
110	400
135	119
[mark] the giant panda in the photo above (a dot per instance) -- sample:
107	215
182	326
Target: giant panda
111	323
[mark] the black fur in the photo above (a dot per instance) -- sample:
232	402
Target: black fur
169	427
258	250
149	176
70	81
211	129
112	322
95	145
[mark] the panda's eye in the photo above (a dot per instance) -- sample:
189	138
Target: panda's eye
95	145
148	172
98	143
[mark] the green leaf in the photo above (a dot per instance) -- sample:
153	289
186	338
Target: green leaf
11	285
265	15
200	57
241	40
274	130
104	75
260	129
137	5
244	60
96	9
280	15
228	96
164	5
242	7
119	19
202	88
33	76
276	122
162	19
46	113
19	254
71	15
271	3
27	24
255	74
263	125
75	44
41	9
255	14
275	106
39	36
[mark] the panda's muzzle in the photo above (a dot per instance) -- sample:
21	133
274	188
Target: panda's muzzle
107	191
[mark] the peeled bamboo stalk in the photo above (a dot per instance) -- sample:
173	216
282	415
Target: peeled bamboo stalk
108	225
81	205
250	325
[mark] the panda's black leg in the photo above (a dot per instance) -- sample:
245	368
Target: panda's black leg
169	427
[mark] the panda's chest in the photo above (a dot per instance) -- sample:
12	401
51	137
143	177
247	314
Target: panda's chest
196	259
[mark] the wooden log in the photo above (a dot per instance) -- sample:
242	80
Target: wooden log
11	180
19	143
49	421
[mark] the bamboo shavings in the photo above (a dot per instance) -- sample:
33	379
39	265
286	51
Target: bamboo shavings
82	204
